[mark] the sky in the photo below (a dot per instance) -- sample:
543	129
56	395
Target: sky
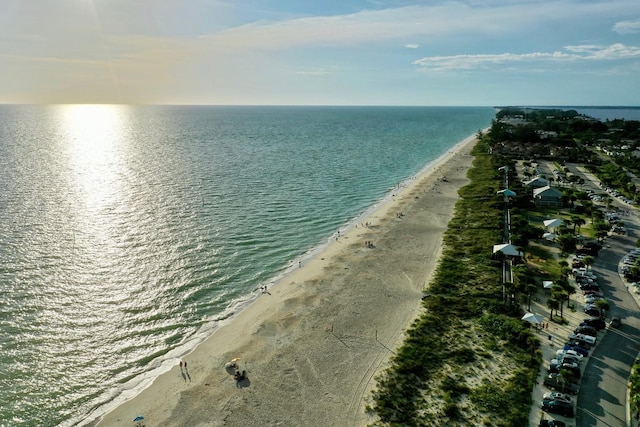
320	52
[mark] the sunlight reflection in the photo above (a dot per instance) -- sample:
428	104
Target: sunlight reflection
95	134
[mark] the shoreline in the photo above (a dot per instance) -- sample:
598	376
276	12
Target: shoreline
312	344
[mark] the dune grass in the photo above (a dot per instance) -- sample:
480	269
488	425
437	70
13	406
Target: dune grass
468	359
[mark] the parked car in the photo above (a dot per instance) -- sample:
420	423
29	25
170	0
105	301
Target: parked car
595	322
552	423
558	407
567	358
569	370
574	340
593	299
556	382
597	246
578	349
590	287
585	277
578	343
568	353
615	322
586	330
582	337
587	251
556	364
550	395
592	311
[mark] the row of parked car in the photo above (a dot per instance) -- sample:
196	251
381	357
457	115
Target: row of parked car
564	371
587	281
618	195
629	260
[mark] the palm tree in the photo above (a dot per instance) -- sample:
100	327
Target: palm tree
564	268
603	306
552	304
577	222
588	261
559	295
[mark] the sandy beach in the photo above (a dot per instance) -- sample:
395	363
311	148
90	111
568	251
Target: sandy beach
312	345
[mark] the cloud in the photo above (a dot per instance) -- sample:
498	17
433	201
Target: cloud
318	72
627	27
605	53
572	54
470	18
412	46
367	26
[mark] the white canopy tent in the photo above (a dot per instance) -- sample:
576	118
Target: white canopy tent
553	223
507	249
533	318
507	192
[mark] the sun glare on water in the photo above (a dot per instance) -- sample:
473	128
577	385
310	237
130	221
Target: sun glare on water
95	137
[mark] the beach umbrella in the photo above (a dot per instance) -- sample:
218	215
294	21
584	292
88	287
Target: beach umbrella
532	318
138	418
507	249
547	284
552	223
549	236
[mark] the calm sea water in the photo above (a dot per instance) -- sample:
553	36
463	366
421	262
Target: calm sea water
128	233
611	113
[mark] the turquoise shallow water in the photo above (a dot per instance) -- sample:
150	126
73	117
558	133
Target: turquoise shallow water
127	233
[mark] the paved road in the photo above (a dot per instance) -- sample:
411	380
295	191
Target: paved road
603	396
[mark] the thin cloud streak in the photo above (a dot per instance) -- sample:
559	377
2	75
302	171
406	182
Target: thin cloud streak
484	61
411	22
627	27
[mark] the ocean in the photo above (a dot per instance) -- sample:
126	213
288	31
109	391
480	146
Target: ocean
128	233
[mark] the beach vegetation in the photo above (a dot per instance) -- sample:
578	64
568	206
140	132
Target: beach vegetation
467	292
634	390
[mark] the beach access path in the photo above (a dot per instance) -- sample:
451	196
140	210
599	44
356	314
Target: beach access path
312	345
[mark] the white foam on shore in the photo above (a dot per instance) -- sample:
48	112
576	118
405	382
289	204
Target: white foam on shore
163	364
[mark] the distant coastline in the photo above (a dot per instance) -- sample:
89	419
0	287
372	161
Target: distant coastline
600	112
